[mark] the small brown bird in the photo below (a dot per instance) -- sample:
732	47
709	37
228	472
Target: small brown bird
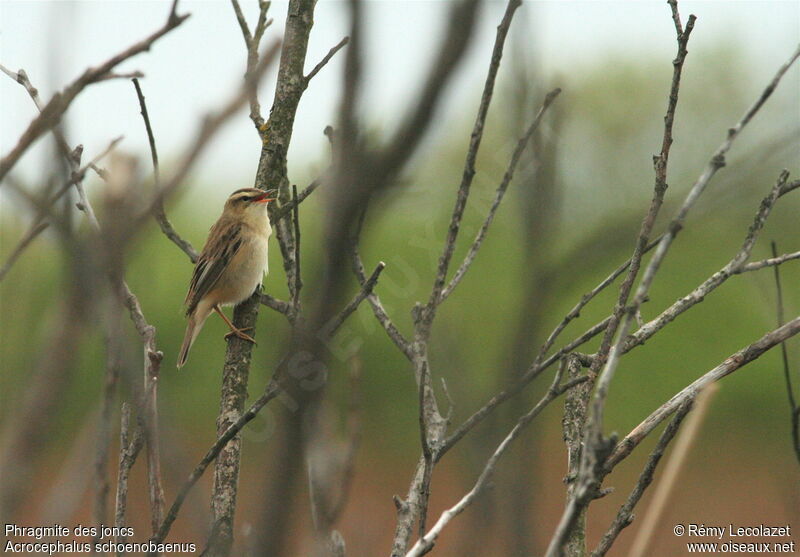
232	263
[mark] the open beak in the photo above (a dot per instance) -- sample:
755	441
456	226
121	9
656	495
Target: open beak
269	195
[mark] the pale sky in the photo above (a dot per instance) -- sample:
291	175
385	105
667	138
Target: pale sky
195	67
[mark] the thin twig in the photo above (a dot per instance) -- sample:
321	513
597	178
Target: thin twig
272	390
289	207
595	435
501	190
77	175
425	442
793	407
377	307
325	60
37	227
51	113
298	281
128	451
734	266
534	371
113	341
252	43
210	125
21	77
625	515
366	290
717	161
575	312
469	164
425	544
419	117
731	364
674	464
621	315
278	305
159	213
771	262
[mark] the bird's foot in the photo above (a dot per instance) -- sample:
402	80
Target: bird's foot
241	334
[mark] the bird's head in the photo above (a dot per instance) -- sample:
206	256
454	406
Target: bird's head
249	201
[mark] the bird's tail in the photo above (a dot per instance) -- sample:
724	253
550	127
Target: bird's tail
192	330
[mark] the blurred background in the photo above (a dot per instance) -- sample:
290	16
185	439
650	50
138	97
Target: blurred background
570	217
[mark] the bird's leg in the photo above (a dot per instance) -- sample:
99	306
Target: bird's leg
234	330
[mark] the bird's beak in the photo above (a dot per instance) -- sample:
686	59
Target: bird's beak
269	195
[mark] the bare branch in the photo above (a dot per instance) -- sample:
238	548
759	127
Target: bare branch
717	161
36	228
298	280
734	266
211	124
596	446
731	364
276	136
159	213
608	354
771	262
289	207
672	468
278	305
469	164
128	451
791	186
625	515
22	78
130	75
252	43
270	392
501	190
418	119
45	208
534	371
366	290
51	113
794	409
425	428
377	307
331	53
113	341
425	544
574	313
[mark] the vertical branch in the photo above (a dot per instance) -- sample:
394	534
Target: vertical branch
159	212
128	451
794	409
298	281
597	447
573	422
276	136
149	411
235	376
113	364
425	442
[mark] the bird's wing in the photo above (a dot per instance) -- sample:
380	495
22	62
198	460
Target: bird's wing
224	240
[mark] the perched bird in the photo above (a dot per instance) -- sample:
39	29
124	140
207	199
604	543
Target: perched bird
232	263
